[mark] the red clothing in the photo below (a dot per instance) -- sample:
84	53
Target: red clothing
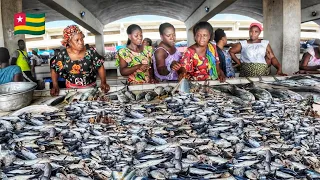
195	65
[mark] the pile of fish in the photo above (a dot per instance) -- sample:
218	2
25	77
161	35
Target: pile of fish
193	132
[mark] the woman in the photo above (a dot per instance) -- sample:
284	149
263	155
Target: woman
147	42
200	61
256	55
166	56
310	61
8	73
77	64
135	59
225	59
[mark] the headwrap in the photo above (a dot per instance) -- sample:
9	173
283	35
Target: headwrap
211	55
68	33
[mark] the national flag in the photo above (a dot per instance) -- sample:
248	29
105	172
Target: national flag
25	23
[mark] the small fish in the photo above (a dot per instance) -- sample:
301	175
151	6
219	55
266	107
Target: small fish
141	95
130	95
159	90
150	163
151	95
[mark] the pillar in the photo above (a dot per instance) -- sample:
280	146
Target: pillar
99	42
281	23
8	9
190	37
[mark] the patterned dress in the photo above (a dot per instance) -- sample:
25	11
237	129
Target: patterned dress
135	58
78	73
197	66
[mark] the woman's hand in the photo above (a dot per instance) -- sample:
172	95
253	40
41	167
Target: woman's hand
105	87
153	81
144	67
280	73
54	91
184	75
175	66
221	77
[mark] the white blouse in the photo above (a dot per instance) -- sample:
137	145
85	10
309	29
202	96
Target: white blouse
254	53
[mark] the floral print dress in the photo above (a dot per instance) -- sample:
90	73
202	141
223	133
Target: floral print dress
133	59
78	73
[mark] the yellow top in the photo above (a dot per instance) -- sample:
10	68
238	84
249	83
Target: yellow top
22	61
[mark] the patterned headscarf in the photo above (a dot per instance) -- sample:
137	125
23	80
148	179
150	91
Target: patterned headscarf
69	32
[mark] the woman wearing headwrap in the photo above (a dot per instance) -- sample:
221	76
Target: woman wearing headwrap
256	55
201	61
77	64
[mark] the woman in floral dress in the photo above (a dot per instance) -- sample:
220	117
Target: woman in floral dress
77	64
135	59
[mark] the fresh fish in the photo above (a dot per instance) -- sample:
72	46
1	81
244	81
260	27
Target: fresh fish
151	95
241	93
141	95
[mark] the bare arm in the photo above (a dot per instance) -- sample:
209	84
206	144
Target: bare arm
54	77
160	56
102	74
274	60
125	70
304	65
236	48
221	75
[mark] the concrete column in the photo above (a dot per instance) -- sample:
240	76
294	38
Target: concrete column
273	26
291	36
8	9
99	42
278	16
190	37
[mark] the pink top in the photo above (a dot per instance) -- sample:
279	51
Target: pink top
173	75
313	61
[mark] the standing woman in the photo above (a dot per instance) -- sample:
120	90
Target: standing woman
166	56
135	59
77	64
201	62
256	55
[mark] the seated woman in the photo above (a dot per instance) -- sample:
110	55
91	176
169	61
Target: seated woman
8	73
135	59
166	56
256	55
310	61
200	61
77	64
225	59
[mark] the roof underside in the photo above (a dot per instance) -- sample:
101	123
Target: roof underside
108	11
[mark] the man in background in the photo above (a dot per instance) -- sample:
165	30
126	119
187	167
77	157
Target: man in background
20	58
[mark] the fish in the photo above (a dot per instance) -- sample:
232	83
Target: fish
151	95
141	95
159	90
241	93
203	134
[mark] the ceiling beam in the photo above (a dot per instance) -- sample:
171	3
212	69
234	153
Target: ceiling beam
306	13
206	11
71	9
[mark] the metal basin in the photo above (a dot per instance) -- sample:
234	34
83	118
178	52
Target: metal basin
16	95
